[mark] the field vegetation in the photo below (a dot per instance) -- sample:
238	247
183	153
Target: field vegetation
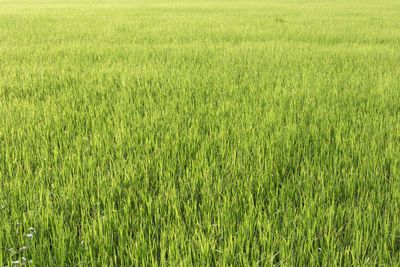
179	133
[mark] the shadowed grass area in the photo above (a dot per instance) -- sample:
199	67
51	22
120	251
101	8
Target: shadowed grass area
199	133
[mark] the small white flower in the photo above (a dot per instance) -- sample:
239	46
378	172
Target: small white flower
15	262
30	261
83	243
11	250
22	248
29	235
23	258
32	230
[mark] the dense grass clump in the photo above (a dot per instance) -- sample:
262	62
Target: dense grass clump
199	133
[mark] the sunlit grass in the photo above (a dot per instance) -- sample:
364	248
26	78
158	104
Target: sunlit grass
199	133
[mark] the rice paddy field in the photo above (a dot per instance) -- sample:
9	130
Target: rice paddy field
199	133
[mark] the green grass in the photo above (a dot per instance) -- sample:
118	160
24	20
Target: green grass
200	133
